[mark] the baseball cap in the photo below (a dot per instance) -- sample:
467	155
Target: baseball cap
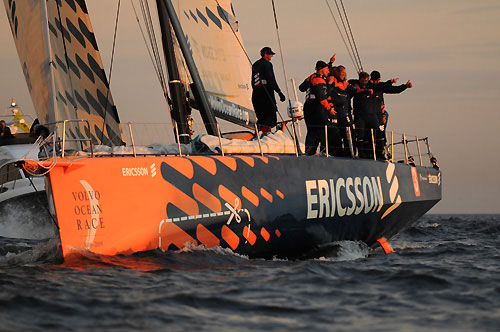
267	50
321	64
375	75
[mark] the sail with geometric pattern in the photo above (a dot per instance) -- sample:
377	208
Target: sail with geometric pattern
63	68
212	32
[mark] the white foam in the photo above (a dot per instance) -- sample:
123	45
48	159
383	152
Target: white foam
348	251
24	222
43	252
190	247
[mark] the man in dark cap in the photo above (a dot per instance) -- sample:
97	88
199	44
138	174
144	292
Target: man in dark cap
264	85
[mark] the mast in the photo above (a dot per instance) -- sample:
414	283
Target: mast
197	87
181	111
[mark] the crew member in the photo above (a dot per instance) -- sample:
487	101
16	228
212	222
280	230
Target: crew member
378	96
264	85
365	113
341	93
317	108
306	85
4	130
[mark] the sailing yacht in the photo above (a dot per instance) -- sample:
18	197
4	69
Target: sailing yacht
262	199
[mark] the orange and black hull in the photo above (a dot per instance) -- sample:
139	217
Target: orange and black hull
280	205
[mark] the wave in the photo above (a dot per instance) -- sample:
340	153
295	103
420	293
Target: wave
27	218
14	252
343	251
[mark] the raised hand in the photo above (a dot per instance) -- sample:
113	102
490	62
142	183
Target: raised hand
332	59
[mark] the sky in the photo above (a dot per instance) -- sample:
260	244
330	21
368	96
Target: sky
449	49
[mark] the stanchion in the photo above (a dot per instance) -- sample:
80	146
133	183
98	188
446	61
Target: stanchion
349	136
326	140
373	145
178	141
419	154
220	140
132	138
258	139
392	146
406	149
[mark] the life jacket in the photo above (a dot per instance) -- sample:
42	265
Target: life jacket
319	92
342	85
306	85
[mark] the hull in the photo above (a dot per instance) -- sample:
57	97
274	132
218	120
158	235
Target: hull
281	205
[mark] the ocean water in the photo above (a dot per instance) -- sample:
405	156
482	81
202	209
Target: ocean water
443	276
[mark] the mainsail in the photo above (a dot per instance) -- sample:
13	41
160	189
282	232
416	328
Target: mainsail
216	44
63	68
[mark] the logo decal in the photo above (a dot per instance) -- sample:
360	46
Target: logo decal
395	198
94	205
414	176
233	213
324	198
153	170
135	171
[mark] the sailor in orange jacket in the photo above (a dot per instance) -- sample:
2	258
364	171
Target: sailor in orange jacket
341	92
317	108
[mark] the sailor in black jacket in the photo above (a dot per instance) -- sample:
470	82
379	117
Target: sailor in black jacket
264	85
379	104
366	113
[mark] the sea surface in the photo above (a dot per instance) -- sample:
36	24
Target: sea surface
443	276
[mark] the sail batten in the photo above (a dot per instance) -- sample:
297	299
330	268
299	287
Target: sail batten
63	67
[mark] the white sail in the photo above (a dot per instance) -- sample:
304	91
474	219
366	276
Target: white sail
217	47
63	67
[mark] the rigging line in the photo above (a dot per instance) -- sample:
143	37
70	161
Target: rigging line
155	42
234	33
347	33
348	36
151	56
157	64
341	35
151	43
284	74
250	61
44	205
147	48
352	35
110	71
281	52
152	47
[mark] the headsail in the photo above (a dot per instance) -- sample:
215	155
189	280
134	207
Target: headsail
63	67
212	32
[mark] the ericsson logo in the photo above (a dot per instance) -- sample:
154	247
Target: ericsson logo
394	196
153	170
139	171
